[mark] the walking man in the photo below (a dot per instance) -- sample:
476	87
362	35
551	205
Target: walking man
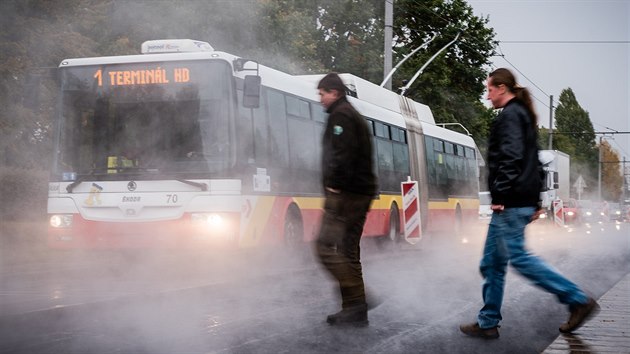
350	185
514	182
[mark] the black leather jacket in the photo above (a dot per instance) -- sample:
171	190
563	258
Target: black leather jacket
514	178
347	159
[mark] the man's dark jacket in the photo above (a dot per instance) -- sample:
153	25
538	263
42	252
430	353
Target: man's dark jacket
514	178
347	161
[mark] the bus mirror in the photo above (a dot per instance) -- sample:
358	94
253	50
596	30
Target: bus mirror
251	91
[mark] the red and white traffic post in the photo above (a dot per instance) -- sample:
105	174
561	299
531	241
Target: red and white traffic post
558	213
411	211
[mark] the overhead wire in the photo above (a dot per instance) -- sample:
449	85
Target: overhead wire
502	55
613	132
446	21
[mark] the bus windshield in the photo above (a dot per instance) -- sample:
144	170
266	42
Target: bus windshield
144	119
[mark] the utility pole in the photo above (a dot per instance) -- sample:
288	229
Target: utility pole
551	122
599	171
626	187
387	62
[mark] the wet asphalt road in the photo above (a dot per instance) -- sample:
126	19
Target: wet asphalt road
264	301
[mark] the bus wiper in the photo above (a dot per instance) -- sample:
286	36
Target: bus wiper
71	186
202	186
81	178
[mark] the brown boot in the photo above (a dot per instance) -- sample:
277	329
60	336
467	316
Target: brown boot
580	314
352	316
474	330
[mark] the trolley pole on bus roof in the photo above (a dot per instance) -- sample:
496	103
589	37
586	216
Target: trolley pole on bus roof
406	87
391	73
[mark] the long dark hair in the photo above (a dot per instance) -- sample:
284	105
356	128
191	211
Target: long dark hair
503	76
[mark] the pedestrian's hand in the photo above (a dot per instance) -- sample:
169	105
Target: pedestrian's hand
497	208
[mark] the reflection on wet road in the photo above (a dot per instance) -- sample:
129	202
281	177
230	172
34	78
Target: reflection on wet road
269	301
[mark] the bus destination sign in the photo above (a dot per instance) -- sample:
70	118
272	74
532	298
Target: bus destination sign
153	76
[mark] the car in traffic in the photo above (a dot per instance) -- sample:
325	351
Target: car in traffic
570	211
625	209
614	212
586	211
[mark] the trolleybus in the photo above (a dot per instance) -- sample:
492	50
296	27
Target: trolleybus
185	145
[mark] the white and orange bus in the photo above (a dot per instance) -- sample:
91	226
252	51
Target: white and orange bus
186	145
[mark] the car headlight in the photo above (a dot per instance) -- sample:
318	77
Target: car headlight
570	213
588	213
618	212
542	216
59	221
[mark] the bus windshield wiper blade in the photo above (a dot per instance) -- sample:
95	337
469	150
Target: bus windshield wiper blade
202	186
71	186
82	177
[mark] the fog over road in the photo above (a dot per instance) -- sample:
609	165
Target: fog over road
265	301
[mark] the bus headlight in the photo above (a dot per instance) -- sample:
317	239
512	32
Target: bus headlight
211	220
59	221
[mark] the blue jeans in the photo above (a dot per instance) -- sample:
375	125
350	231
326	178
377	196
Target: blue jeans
505	243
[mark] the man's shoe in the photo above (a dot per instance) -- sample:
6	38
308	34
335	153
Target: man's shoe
474	330
354	316
579	315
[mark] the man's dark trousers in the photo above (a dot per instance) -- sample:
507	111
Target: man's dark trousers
338	243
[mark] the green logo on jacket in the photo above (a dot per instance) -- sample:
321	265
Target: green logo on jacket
337	130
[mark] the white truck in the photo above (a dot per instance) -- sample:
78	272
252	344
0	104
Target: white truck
556	165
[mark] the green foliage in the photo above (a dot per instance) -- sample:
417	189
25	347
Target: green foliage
575	136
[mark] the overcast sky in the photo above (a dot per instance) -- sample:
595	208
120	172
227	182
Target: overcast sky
598	73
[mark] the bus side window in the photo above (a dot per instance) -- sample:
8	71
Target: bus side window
278	144
429	143
401	152
303	146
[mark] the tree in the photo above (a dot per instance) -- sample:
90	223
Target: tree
612	179
296	36
575	136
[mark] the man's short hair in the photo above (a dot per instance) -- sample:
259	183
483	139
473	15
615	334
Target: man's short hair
332	81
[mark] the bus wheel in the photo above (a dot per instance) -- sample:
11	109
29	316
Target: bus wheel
293	229
392	237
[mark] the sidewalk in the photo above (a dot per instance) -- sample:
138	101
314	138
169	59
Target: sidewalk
608	332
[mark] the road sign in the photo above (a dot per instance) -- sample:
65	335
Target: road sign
411	211
579	186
